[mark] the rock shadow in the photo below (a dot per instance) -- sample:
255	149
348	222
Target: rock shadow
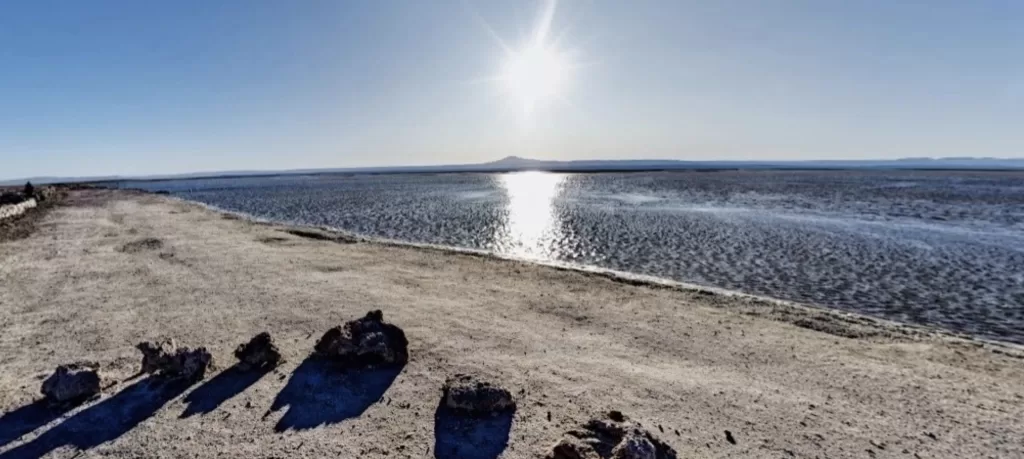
321	235
458	436
320	392
228	383
105	421
27	419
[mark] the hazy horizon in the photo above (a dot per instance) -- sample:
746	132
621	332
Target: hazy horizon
515	163
124	88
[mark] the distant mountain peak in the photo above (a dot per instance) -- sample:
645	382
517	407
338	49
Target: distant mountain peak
514	160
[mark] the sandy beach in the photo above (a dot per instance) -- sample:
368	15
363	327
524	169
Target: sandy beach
109	269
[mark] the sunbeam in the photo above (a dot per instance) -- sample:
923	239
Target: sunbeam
538	72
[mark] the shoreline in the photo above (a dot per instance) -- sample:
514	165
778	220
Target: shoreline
800	311
110	268
433	170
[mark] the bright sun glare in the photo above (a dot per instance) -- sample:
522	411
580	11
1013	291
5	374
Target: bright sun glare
537	73
534	75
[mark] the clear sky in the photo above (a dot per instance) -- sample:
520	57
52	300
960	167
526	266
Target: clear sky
142	87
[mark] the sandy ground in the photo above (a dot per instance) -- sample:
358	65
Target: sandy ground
113	268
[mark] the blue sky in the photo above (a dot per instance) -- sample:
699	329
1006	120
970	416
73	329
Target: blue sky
129	87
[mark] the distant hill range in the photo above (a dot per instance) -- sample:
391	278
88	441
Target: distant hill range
515	163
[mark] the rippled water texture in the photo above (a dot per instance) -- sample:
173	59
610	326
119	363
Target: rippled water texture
937	248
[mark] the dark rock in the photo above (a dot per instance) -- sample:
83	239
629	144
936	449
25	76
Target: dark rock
634	446
155	355
729	438
611	437
571	449
259	353
365	342
11	198
469	395
165	359
72	383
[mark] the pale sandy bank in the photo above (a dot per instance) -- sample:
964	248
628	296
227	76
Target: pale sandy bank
114	268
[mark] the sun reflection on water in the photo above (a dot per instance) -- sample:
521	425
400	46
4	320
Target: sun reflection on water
530	226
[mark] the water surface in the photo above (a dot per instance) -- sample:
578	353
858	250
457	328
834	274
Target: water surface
934	248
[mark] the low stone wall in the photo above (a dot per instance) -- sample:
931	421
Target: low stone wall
13	210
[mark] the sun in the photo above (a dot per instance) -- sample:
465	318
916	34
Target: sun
534	74
537	72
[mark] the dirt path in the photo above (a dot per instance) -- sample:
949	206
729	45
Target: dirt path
114	268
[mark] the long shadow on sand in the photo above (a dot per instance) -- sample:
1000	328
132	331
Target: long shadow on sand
320	393
460	437
26	419
218	390
104	421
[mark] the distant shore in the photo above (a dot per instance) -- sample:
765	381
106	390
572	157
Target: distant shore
552	170
514	164
111	268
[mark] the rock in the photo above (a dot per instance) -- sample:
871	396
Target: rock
259	353
469	395
634	446
163	358
155	355
365	342
572	449
612	436
11	198
73	382
192	363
